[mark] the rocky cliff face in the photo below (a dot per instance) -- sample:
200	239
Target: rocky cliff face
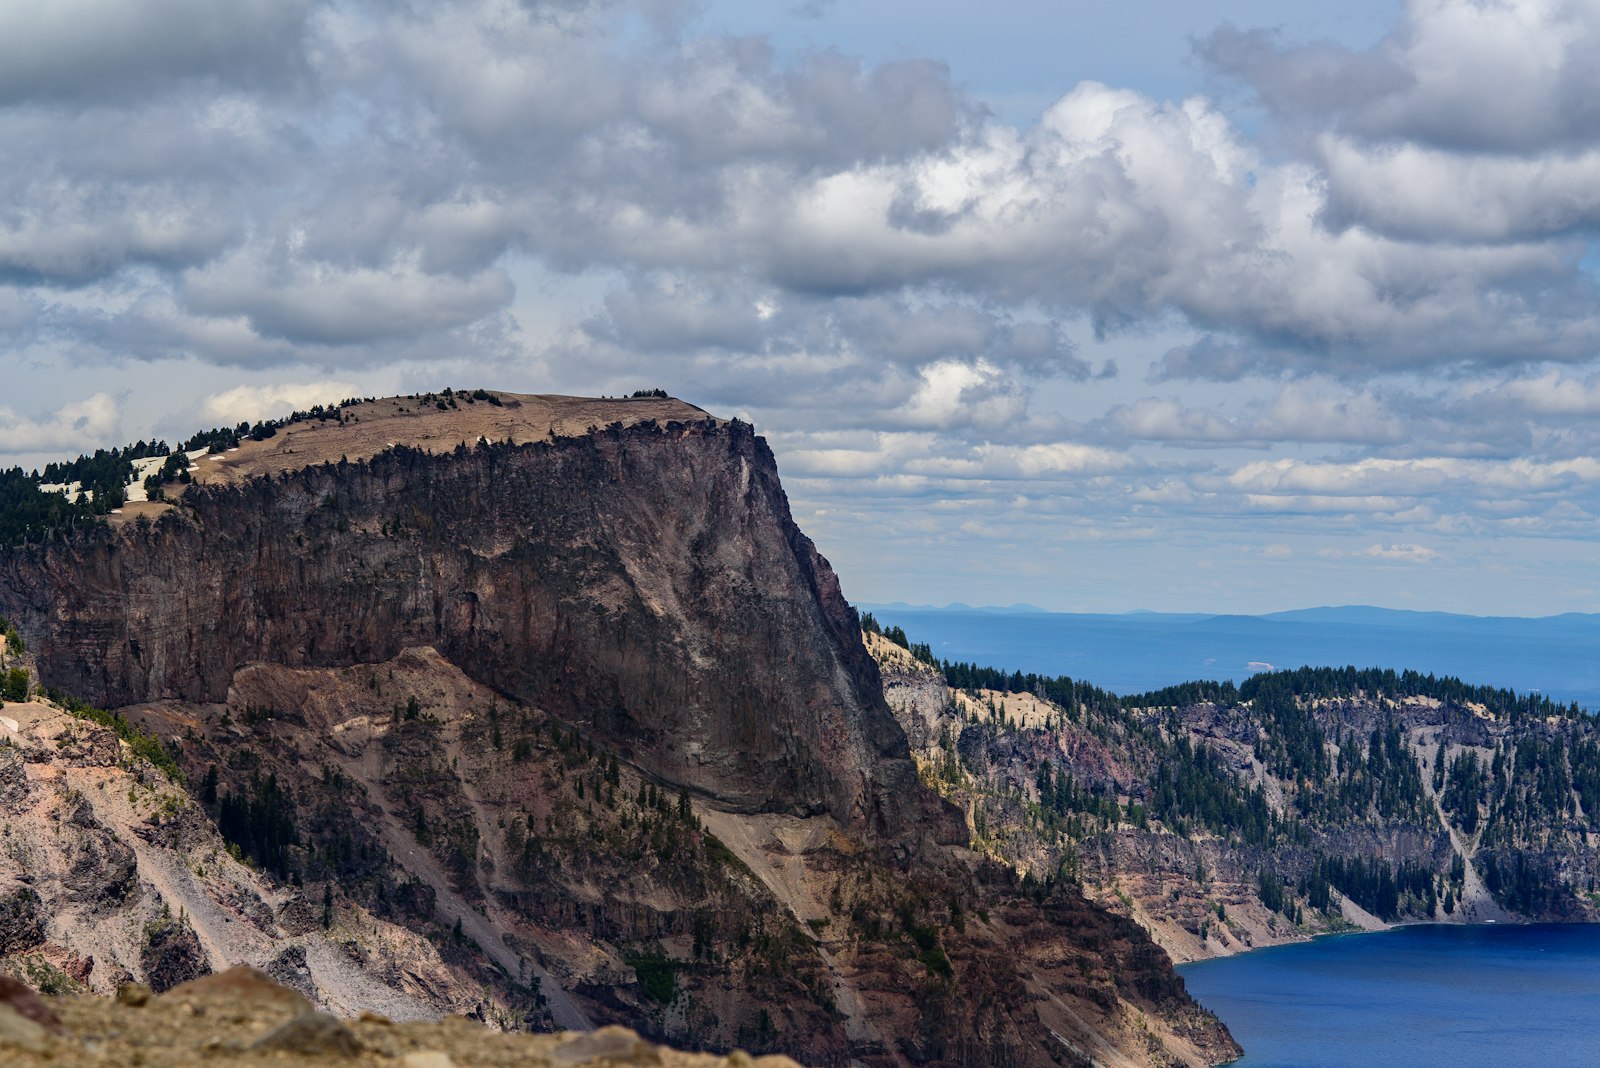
111	873
1303	803
645	584
589	712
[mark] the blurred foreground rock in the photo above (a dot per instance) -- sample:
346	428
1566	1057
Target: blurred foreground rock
243	1017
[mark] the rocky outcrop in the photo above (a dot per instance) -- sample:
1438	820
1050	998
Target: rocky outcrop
110	872
645	584
1224	821
242	1018
591	714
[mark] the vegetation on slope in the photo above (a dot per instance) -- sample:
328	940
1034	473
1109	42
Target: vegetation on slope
1316	784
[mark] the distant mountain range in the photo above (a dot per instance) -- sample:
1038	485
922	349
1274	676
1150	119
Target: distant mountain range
1138	651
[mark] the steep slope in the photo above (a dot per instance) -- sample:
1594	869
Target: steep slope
111	873
1301	803
644	583
589	712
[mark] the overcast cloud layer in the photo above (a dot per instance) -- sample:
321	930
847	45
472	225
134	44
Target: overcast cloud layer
1337	340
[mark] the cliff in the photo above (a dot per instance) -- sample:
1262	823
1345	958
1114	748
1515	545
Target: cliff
1224	819
645	584
110	873
560	687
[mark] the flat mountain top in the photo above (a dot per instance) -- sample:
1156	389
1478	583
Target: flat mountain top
432	422
429	423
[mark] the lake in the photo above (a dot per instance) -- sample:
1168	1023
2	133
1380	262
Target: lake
1424	997
1554	655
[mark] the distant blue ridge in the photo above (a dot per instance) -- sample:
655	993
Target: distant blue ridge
1554	655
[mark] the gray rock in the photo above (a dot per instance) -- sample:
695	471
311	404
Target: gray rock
290	968
172	954
21	920
617	1045
13	779
311	1033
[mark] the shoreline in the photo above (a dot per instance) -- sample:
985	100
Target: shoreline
1325	936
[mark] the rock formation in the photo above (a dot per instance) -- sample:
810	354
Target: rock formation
572	697
1317	800
241	1017
645	584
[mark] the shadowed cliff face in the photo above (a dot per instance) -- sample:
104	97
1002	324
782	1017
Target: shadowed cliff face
647	584
342	638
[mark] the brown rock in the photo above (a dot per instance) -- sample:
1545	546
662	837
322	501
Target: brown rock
311	1033
242	985
651	566
19	1032
615	1045
135	995
427	1058
20	998
645	587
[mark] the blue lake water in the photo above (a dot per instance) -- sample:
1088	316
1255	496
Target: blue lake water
1424	997
1555	655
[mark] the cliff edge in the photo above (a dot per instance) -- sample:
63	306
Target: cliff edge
572	698
645	583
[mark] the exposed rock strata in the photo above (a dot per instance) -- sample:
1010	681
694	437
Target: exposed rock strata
646	584
110	873
477	681
1202	888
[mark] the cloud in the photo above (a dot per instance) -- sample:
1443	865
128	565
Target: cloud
1478	76
1416	476
421	148
1167	419
254	403
71	427
321	304
1469	122
1422	193
18	314
1404	553
1549	393
1302	411
954	392
105	50
906	293
1308	411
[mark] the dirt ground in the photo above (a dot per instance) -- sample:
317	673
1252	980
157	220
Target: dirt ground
241	1017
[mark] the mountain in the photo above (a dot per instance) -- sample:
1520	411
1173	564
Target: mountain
1224	818
556	689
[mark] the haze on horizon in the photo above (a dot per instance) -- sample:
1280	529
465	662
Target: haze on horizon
1230	307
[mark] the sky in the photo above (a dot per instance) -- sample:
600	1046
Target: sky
1231	307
